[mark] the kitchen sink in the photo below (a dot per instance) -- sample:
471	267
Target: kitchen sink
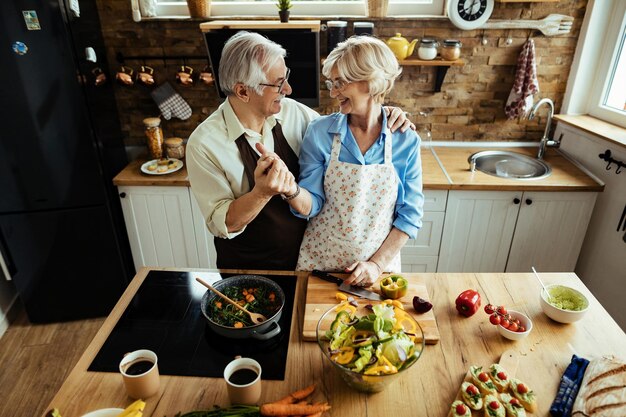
507	164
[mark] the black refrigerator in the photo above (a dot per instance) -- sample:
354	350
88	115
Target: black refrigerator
62	238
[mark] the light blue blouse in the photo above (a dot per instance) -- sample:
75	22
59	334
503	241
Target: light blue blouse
315	157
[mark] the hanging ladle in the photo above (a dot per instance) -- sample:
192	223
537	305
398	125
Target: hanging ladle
541	282
255	317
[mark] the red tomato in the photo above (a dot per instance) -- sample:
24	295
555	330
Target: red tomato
494	405
490	309
483	376
502	376
494	319
460	409
522	389
521	329
501	310
515	402
471	390
513	327
505	323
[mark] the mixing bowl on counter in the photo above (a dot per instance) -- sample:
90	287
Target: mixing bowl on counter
563	304
370	346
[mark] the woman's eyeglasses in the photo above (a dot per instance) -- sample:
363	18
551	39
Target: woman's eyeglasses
337	84
281	84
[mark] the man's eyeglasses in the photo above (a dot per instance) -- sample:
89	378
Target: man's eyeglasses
337	84
281	84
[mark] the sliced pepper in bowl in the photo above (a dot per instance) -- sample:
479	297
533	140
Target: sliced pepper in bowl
394	286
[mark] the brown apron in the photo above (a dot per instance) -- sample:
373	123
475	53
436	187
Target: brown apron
272	240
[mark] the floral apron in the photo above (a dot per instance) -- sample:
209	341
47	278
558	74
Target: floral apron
357	216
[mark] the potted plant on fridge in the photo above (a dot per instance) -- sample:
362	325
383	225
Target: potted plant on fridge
283	10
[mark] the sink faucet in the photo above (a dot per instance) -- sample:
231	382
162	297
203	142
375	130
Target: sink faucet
545	141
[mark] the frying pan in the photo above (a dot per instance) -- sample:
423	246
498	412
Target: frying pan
261	331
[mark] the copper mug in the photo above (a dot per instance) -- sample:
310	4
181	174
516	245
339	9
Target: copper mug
206	76
125	75
185	76
99	76
146	75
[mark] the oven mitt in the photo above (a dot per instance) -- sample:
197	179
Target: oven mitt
570	384
170	102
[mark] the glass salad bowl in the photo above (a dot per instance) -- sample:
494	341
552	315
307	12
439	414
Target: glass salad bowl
370	346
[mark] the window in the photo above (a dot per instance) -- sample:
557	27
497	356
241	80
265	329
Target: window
315	8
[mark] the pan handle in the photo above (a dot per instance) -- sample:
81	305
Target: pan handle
274	329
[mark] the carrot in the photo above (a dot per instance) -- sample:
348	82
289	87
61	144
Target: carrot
273	409
315	415
238	325
296	395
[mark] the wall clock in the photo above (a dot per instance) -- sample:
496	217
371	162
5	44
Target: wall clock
469	14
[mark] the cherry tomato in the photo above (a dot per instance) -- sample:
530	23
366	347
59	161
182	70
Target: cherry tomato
494	405
494	319
483	376
513	327
501	310
502	376
460	409
515	402
490	309
522	389
517	322
521	329
505	323
471	390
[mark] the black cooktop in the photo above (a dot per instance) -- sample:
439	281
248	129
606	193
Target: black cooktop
165	317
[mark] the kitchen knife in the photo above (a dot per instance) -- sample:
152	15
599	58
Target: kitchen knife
350	289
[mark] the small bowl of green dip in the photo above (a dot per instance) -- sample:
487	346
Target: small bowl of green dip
564	304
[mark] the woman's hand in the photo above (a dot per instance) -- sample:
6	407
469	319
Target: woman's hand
364	273
397	118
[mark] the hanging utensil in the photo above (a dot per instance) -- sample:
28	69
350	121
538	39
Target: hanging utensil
255	317
554	24
541	282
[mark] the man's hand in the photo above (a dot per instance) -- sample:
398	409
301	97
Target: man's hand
364	273
271	175
396	118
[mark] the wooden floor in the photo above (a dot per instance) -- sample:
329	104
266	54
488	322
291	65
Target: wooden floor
35	359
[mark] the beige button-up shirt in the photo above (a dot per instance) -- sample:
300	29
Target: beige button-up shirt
214	165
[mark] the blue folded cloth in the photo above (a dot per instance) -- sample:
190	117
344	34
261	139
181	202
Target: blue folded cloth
570	384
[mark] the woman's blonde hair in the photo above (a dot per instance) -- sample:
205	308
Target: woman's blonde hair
365	58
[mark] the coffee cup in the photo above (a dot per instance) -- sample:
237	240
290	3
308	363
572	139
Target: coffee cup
140	372
243	381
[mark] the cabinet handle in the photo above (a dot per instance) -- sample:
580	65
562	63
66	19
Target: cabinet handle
122	195
529	201
516	200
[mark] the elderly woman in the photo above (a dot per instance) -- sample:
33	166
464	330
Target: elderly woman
361	185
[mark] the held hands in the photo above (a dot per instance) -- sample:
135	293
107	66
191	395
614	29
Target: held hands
364	273
271	175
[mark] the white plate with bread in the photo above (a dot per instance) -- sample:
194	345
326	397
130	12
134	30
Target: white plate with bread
161	166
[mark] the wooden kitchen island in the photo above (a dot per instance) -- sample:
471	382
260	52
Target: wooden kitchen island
426	389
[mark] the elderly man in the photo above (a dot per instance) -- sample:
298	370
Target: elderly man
241	193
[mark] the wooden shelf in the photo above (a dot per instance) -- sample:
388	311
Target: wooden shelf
527	1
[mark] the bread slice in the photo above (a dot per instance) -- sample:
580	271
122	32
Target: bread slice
499	376
602	390
512	406
453	410
482	380
493	407
527	398
472	397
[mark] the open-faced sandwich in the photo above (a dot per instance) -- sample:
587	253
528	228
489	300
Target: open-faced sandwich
458	409
524	394
512	405
471	396
499	376
493	407
482	380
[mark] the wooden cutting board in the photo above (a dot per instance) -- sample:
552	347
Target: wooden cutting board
320	296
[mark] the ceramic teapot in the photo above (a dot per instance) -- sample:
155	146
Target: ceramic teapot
401	47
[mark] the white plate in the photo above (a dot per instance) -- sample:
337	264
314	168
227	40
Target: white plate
105	412
145	170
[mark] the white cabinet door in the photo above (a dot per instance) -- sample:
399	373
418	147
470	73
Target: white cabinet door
206	248
160	226
550	230
478	230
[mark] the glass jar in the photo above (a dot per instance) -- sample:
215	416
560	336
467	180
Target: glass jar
154	136
336	33
427	49
451	50
175	148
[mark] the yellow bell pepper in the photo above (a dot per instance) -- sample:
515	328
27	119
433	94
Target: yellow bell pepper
344	356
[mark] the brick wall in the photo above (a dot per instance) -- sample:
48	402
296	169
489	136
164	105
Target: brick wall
469	106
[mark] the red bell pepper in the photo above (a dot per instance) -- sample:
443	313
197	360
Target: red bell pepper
468	302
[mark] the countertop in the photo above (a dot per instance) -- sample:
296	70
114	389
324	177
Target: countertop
427	389
444	168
